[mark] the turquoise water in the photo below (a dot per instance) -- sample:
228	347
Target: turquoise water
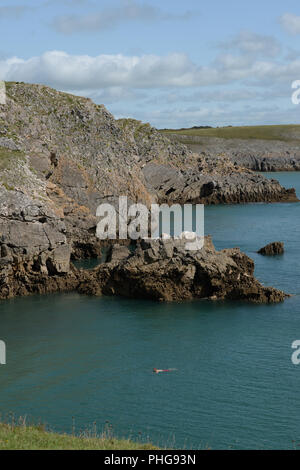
235	387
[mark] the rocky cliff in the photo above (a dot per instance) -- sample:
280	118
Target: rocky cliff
62	155
254	154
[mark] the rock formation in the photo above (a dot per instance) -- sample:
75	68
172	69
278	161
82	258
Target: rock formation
275	248
254	154
61	156
164	270
158	269
213	180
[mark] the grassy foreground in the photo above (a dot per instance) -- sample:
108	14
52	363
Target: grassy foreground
279	132
36	438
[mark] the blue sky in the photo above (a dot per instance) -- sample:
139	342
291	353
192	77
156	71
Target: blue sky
170	63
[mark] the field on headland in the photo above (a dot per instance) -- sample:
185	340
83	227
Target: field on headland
258	148
285	133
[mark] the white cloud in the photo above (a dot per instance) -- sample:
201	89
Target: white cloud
291	23
249	43
182	92
83	72
76	72
128	10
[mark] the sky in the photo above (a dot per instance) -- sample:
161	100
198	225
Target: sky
172	63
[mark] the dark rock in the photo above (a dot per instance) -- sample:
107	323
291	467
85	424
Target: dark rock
161	270
117	253
153	273
275	248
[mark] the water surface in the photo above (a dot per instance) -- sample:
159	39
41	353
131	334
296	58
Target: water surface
235	387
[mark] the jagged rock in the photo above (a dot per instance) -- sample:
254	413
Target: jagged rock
214	180
117	253
275	248
158	269
164	270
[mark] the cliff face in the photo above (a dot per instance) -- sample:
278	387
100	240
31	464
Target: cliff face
61	156
254	154
67	155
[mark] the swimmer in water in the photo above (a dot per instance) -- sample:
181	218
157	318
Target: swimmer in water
157	371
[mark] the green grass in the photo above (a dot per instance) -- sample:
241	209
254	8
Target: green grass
279	132
140	129
9	157
24	437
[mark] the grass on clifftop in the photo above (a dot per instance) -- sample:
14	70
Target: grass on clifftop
37	438
280	132
9	157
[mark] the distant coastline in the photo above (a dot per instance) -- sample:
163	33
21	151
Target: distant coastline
258	148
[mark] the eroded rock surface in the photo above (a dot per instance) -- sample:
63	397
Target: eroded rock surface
213	180
161	270
275	248
164	270
254	154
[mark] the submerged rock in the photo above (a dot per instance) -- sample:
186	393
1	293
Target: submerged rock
275	248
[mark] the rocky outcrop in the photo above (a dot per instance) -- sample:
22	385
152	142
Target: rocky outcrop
275	248
254	154
267	161
214	180
164	270
161	270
